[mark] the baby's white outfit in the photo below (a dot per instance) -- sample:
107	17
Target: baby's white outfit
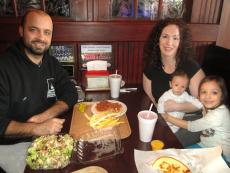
184	97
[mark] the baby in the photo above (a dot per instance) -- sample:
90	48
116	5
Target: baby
178	85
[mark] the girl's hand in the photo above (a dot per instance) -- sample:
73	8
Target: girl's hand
176	121
165	116
204	111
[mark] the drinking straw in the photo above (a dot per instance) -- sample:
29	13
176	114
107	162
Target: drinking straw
116	73
150	110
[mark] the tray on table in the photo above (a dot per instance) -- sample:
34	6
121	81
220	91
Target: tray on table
80	124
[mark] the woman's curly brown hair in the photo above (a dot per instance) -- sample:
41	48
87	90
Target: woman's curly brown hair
152	55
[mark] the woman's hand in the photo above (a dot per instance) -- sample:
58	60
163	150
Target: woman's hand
165	116
171	106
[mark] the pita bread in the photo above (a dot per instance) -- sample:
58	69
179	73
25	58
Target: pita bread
170	165
91	169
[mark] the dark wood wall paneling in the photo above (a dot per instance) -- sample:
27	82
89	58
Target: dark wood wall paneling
127	39
126	36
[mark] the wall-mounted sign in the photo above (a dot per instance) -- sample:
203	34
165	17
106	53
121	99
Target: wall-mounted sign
63	53
91	52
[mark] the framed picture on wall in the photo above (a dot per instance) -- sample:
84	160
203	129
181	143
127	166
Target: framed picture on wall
122	8
24	5
64	53
6	8
92	52
173	9
148	9
58	7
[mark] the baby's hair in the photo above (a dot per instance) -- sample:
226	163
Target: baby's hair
221	83
180	73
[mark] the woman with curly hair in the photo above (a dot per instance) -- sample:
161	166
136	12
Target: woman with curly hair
168	49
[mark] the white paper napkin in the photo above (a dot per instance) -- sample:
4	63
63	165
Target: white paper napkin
96	65
202	160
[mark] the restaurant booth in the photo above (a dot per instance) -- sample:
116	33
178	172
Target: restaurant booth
115	31
80	22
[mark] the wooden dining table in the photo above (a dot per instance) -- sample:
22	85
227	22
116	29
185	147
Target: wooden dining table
124	162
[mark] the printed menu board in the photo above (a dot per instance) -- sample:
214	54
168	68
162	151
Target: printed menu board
89	52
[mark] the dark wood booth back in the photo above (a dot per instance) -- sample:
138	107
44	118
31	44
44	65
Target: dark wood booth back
126	37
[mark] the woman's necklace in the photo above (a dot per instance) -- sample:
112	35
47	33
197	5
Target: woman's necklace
169	68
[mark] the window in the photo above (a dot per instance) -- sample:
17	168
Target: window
122	8
95	10
6	8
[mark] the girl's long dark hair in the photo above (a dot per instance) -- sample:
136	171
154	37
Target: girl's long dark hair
152	55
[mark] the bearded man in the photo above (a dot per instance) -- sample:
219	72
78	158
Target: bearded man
34	87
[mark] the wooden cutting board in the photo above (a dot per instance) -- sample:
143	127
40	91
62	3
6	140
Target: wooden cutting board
80	124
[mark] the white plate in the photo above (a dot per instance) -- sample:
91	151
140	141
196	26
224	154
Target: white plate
122	111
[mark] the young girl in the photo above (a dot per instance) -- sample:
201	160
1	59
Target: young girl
215	123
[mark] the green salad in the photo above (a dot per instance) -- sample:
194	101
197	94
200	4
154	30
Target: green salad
50	152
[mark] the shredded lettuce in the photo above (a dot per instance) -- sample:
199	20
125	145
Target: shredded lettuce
50	152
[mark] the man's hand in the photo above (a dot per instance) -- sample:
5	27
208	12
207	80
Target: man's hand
44	123
19	129
37	119
51	126
58	108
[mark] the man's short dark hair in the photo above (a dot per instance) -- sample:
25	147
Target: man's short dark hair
23	20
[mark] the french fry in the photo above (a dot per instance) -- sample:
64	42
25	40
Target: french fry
87	116
103	120
97	118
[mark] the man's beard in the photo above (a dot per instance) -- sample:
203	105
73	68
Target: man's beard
35	51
